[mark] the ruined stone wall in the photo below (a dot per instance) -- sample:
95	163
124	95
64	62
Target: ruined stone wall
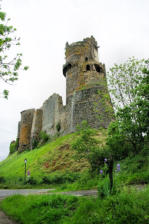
54	113
87	98
25	129
36	127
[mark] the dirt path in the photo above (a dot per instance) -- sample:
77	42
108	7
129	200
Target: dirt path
4	219
81	193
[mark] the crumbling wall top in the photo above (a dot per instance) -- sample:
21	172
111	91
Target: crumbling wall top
81	47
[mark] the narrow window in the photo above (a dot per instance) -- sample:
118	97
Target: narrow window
88	68
97	67
86	58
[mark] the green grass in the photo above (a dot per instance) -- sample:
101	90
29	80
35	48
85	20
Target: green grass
128	206
40	209
54	166
54	157
134	170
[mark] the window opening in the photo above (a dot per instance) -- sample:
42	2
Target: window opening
88	68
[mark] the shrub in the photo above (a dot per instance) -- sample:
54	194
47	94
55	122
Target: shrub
31	181
2	180
103	188
13	146
43	138
45	180
60	178
35	142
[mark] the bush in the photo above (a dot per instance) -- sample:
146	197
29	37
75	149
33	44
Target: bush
13	146
45	180
43	138
60	178
130	208
31	181
104	188
35	142
2	180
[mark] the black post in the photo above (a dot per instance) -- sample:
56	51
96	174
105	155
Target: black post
110	164
25	161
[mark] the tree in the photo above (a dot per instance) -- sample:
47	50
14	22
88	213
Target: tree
9	65
87	146
123	79
129	133
134	118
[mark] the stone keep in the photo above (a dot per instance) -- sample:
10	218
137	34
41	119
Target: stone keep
87	97
85	81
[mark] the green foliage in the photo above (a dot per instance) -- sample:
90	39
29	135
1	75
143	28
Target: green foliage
132	121
86	146
43	138
13	146
60	178
40	209
103	188
9	63
12	168
31	181
123	79
125	207
2	179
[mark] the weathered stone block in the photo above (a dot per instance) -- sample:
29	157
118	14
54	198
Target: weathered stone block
25	129
36	128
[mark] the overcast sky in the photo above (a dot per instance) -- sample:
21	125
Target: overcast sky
121	28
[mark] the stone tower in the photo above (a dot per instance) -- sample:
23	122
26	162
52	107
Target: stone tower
87	98
85	78
82	68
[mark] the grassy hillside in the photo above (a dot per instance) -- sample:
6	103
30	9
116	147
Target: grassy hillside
54	161
55	164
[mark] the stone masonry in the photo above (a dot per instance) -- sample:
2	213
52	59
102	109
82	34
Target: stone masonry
86	88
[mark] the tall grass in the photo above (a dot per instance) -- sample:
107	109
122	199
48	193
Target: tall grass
128	206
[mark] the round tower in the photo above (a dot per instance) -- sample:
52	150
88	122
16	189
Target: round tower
82	68
87	96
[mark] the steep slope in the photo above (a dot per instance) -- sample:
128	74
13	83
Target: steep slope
56	158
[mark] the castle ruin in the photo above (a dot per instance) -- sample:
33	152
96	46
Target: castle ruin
85	81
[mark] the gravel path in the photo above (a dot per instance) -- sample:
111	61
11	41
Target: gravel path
81	193
6	193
